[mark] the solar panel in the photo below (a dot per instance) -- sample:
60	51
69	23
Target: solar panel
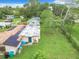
12	41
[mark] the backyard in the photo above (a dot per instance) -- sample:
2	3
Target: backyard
51	46
75	31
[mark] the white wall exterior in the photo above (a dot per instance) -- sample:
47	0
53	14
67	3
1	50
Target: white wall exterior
35	39
10	48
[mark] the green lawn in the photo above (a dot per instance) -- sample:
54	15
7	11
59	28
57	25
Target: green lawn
6	28
75	31
1	20
16	20
3	29
52	45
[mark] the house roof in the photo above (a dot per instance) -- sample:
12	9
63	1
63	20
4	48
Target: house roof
30	31
12	41
5	23
35	21
11	36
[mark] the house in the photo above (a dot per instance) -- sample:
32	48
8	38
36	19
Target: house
50	8
8	21
9	41
9	18
4	24
35	21
30	34
11	44
20	36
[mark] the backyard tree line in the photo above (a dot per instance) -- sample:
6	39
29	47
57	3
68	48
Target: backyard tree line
34	10
26	11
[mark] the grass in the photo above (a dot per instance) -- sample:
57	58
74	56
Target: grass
3	29
6	29
75	31
16	20
1	20
52	45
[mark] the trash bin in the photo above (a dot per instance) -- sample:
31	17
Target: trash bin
11	53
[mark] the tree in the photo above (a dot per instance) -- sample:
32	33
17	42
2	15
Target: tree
46	18
68	23
59	10
44	6
30	11
77	1
25	5
5	11
33	2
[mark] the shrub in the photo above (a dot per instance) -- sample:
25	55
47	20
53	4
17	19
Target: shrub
39	55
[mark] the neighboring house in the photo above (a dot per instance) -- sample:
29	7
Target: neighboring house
50	7
4	24
35	21
9	18
8	21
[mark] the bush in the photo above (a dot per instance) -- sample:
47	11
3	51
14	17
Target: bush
71	39
39	55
